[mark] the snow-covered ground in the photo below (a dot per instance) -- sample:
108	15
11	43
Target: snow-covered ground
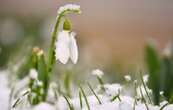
122	102
4	91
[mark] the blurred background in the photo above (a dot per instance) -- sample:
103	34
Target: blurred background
111	33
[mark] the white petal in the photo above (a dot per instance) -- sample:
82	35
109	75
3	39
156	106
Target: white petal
62	52
73	49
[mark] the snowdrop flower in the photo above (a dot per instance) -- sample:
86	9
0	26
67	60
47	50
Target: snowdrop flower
161	93
167	52
135	81
67	7
33	74
66	47
39	83
145	78
127	78
97	72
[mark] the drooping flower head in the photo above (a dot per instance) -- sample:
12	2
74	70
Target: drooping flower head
127	78
97	72
56	42
66	46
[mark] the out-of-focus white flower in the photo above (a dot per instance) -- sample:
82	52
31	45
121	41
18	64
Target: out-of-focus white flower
145	78
66	47
67	7
33	74
127	78
97	72
161	92
167	52
135	81
40	83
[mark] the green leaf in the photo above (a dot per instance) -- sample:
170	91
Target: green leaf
68	102
167	76
153	65
94	93
80	99
67	82
34	58
43	75
85	97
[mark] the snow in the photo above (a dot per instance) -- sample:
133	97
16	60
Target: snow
4	91
125	102
44	106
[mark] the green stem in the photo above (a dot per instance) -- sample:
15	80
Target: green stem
164	106
51	52
18	101
85	98
52	45
51	57
68	102
94	93
115	97
101	83
145	88
134	104
143	98
80	99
